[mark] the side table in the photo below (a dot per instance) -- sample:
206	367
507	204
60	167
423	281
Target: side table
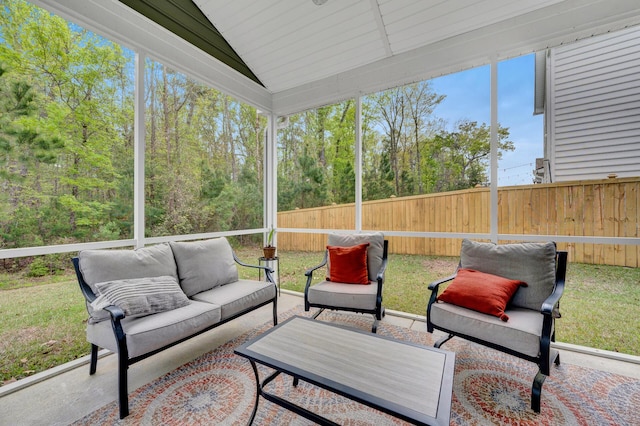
267	262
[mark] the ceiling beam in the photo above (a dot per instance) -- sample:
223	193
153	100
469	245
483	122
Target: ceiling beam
186	20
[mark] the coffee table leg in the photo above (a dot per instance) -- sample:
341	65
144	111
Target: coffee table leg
258	391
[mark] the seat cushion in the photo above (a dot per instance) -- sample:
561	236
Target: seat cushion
145	334
341	295
203	265
374	252
521	333
238	296
533	263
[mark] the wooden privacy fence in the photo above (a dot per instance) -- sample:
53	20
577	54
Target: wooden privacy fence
598	208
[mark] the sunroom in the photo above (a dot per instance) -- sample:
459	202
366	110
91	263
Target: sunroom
308	117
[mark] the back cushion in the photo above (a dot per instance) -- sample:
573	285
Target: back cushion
533	263
203	265
109	265
374	252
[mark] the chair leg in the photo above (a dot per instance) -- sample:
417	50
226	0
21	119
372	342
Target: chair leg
374	327
443	341
94	359
536	391
318	313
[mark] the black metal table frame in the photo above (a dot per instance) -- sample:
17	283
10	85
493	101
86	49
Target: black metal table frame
297	374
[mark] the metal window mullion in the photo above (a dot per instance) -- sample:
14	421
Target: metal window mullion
358	165
494	152
139	152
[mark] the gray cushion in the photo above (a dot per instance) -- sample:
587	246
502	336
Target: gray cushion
374	252
521	333
238	296
145	334
141	296
203	265
107	265
342	295
533	263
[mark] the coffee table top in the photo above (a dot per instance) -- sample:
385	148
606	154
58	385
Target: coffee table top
402	378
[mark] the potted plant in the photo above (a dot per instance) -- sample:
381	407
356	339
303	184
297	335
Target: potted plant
269	250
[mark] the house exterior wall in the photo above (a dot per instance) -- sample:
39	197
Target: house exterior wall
593	107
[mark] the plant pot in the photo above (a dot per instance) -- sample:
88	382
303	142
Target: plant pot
269	252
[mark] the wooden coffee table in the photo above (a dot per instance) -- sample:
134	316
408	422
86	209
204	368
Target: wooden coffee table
406	380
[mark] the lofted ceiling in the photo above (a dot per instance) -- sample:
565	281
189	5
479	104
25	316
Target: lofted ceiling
288	55
288	43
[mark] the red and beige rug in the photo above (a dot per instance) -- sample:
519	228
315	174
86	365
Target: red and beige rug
490	388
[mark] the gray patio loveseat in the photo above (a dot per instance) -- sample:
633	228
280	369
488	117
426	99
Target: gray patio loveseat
143	301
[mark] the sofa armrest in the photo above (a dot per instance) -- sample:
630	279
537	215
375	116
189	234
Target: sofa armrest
267	271
116	312
88	294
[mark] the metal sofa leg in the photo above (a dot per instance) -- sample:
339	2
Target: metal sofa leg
536	391
123	394
275	312
94	359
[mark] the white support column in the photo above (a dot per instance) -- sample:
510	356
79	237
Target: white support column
358	165
139	152
270	175
494	151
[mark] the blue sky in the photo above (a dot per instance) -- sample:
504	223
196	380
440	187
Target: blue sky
468	97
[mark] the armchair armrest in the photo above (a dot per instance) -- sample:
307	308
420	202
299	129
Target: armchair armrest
309	272
434	285
383	268
309	275
434	296
550	303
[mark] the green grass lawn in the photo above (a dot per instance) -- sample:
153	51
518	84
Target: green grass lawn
43	319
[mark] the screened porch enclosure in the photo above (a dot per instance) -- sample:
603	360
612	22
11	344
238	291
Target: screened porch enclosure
298	109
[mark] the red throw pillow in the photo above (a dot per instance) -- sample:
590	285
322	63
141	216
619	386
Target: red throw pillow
348	264
481	292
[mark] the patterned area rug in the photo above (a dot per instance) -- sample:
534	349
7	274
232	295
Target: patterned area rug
490	388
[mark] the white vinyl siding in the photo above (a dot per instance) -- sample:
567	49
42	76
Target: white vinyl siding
595	107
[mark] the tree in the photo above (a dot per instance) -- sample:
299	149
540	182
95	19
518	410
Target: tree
463	155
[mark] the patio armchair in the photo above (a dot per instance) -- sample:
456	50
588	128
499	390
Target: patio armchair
505	297
356	265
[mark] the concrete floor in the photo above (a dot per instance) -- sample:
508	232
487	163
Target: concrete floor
67	393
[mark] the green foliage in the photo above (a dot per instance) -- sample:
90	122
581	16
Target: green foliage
38	268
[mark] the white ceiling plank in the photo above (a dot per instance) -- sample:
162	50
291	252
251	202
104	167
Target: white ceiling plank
554	25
